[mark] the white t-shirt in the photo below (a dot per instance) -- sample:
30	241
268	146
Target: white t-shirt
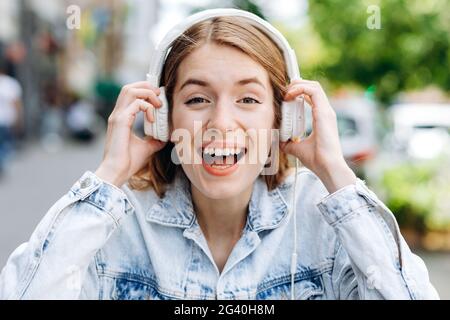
10	92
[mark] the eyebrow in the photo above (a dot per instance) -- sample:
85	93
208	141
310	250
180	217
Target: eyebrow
198	82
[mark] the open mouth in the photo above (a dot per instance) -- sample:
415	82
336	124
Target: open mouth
221	161
222	157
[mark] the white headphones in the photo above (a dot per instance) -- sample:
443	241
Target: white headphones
293	112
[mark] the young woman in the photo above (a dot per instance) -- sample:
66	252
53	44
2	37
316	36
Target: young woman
142	227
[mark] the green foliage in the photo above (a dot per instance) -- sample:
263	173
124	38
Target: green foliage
250	6
418	193
411	50
247	5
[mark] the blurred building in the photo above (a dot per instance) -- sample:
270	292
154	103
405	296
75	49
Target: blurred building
108	49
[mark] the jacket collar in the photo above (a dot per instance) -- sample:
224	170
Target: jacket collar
266	208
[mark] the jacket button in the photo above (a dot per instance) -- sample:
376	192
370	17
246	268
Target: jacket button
86	183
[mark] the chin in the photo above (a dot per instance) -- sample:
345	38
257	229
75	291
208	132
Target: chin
218	194
214	187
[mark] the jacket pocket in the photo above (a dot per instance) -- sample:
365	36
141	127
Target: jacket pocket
136	287
307	286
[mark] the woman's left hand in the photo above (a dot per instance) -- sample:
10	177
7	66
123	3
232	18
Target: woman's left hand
321	150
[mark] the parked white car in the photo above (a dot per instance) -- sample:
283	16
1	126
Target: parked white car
357	124
421	131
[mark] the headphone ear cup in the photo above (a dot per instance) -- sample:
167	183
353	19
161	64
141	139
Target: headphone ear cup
298	130
162	118
287	121
159	129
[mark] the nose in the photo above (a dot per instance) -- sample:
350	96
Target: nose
221	117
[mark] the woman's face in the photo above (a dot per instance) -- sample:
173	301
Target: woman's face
224	102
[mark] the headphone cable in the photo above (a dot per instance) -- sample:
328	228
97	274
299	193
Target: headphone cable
294	251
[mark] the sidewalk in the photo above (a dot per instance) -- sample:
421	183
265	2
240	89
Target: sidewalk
37	179
34	182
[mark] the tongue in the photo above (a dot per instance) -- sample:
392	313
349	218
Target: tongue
224	161
221	161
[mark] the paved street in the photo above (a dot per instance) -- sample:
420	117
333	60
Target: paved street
34	182
38	178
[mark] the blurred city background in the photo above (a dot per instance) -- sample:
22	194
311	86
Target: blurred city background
384	63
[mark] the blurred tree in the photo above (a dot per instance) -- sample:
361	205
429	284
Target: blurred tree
247	5
417	193
250	6
410	50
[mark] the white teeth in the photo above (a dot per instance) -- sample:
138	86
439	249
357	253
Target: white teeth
218	152
236	150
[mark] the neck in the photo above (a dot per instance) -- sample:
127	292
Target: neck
221	219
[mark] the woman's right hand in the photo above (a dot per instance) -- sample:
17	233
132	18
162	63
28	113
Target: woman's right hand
125	153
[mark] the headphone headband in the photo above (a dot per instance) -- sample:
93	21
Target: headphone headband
161	50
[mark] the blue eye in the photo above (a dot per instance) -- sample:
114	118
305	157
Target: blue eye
197	100
248	100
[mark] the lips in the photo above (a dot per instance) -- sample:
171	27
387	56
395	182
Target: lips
221	159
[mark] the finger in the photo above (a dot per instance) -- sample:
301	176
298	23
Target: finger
128	115
308	99
155	144
129	94
148	145
298	89
291	147
150	113
144	94
147	108
317	97
142	85
301	81
286	147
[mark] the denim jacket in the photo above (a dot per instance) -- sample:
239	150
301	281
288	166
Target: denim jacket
102	242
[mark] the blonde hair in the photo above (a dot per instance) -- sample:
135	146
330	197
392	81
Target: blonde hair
229	31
